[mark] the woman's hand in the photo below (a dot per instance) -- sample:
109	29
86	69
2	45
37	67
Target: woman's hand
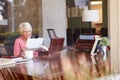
23	52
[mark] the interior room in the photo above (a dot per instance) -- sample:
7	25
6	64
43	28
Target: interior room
75	27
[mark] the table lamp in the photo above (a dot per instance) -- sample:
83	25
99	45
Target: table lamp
89	16
1	17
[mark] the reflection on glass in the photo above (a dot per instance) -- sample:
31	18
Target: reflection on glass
36	68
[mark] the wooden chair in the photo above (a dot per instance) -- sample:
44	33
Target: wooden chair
104	32
85	42
53	54
56	45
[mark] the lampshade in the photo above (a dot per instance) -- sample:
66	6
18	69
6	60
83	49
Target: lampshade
10	1
1	17
90	15
81	3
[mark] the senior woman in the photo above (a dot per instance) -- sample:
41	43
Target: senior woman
25	30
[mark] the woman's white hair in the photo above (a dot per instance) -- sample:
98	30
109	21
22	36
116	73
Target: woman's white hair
24	25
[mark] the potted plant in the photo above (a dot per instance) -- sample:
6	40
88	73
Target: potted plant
104	42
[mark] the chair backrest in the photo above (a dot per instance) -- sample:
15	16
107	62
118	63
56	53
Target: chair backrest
51	33
88	31
85	42
104	32
85	31
9	43
76	33
56	45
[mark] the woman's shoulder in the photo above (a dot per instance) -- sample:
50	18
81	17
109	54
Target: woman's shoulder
19	39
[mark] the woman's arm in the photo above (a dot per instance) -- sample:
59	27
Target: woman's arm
17	48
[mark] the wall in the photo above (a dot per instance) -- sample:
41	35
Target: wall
114	31
54	16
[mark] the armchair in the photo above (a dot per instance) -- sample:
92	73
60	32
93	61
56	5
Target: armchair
56	43
85	42
9	43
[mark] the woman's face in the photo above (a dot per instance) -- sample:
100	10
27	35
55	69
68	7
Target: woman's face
26	33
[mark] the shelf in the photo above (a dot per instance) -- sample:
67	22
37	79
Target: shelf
4	22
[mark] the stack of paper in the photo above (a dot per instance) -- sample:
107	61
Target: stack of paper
10	61
19	59
33	43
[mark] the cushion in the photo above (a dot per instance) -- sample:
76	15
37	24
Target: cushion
87	37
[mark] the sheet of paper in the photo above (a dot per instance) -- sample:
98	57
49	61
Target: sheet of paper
33	43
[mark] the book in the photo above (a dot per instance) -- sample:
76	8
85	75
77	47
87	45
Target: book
6	61
19	59
16	59
11	62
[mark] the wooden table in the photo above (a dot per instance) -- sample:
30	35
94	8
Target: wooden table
65	65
